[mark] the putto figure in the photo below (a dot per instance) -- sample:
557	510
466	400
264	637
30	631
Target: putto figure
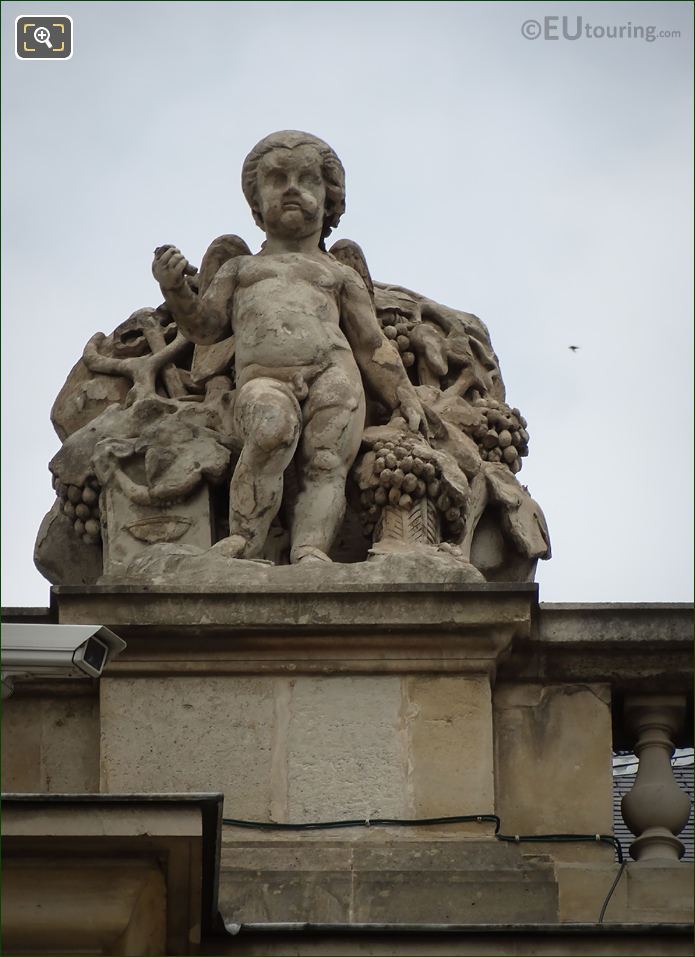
305	328
282	409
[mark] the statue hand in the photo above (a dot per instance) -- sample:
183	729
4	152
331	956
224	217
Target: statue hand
169	267
412	411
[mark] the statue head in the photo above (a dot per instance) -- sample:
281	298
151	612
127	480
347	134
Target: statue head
331	170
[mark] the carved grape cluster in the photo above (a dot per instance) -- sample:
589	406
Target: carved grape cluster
401	476
81	506
504	437
397	328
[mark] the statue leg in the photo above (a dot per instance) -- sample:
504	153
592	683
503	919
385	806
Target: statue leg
333	425
268	419
475	506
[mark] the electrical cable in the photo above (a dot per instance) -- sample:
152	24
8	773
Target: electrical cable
365	822
428	822
566	839
457	819
623	865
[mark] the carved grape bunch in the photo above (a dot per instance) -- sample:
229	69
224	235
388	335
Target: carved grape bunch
81	505
404	472
503	438
397	328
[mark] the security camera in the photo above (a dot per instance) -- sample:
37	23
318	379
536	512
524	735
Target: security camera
64	651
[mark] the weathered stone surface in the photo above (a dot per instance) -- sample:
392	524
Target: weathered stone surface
83	397
627	645
50	742
553	751
442	896
305	748
655	892
646	892
583	888
180	565
190	734
286	883
334	727
403	882
614	623
449	727
22	757
345	756
660	892
374	743
60	555
132	528
324	601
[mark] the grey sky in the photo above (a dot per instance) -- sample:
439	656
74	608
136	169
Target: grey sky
544	185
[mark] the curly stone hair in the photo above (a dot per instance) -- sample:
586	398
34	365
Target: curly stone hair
331	169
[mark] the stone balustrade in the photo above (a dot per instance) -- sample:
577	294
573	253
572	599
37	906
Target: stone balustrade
656	810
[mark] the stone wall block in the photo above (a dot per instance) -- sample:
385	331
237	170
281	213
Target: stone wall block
344	753
449	724
190	734
553	758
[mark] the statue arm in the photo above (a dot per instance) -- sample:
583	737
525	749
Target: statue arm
205	319
376	356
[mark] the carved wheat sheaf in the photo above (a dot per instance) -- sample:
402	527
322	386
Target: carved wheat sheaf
433	522
419	525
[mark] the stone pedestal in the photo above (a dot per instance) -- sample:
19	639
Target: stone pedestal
304	705
315	703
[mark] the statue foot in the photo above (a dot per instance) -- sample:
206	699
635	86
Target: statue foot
234	546
454	550
306	554
458	554
231	547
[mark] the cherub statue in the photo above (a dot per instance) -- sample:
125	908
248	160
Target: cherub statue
305	335
296	379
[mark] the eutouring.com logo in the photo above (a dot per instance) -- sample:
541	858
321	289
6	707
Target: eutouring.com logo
576	28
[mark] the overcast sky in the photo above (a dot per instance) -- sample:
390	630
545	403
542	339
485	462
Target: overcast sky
544	185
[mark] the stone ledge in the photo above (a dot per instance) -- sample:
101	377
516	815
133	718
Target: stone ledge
324	609
614	622
373	630
472	880
457	940
388	627
628	645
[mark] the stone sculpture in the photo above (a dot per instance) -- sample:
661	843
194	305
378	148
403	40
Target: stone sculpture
221	434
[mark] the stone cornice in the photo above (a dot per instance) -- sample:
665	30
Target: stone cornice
389	628
628	645
382	629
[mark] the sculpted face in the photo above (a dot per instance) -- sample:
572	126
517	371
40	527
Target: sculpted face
291	192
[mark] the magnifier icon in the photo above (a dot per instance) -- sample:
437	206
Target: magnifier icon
43	35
